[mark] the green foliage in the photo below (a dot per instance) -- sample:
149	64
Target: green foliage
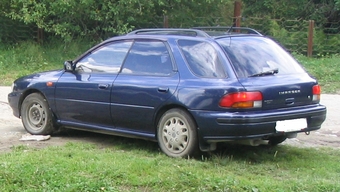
337	4
96	19
325	44
323	12
292	29
326	69
293	35
99	19
199	13
275	8
130	165
28	57
12	31
77	18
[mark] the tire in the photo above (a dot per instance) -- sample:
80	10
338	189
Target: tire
273	141
177	134
36	116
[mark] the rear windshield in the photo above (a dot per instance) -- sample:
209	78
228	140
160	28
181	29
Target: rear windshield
254	55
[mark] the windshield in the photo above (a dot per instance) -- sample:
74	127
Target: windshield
258	55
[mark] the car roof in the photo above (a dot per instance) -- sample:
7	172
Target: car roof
204	32
197	32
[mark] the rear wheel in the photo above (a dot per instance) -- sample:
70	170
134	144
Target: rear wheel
36	115
276	140
177	135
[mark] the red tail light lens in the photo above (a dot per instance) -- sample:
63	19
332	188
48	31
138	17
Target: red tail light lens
316	92
242	100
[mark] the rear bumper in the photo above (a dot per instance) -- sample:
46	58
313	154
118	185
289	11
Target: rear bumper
227	126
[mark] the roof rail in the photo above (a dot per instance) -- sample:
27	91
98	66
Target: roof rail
170	31
228	30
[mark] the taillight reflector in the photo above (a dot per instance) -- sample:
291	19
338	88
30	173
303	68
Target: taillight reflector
242	100
316	92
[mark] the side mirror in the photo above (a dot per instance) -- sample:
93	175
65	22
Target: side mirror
68	66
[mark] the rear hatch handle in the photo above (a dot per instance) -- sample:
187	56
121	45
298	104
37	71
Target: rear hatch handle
290	101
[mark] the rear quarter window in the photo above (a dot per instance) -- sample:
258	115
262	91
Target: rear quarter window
202	58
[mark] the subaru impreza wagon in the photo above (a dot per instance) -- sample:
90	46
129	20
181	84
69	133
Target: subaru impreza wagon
187	89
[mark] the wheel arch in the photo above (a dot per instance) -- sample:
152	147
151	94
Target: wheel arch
166	108
25	94
192	147
204	146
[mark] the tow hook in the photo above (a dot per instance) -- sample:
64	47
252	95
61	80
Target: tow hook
307	133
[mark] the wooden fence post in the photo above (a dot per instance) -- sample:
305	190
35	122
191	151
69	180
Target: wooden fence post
165	21
310	38
237	14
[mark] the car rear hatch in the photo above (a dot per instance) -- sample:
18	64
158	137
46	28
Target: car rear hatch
263	66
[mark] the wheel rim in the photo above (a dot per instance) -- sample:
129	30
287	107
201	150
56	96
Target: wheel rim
36	116
175	135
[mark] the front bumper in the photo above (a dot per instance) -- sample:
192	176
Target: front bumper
13	101
227	126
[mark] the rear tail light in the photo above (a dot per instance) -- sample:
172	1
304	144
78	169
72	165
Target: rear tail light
242	100
316	92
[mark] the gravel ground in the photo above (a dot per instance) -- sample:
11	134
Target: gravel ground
11	129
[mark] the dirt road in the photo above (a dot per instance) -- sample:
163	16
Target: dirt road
11	129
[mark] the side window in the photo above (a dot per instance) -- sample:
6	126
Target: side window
148	58
107	58
202	58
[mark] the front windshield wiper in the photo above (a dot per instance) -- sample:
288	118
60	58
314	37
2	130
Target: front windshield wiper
263	73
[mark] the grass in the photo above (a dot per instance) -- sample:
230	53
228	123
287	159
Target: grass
29	57
134	165
325	69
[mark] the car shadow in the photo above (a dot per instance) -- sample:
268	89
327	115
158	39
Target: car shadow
224	153
107	141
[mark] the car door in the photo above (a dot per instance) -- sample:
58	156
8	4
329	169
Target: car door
146	81
83	96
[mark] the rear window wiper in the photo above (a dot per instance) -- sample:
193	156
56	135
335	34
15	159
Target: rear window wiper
263	73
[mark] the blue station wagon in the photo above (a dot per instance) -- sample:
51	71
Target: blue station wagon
187	89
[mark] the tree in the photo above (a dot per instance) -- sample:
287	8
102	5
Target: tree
324	12
69	18
101	18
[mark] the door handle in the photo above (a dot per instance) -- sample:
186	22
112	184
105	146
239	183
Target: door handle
163	89
103	86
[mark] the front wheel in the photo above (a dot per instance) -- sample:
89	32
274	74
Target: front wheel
177	135
36	115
